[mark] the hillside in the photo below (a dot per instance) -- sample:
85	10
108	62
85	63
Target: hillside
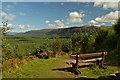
63	32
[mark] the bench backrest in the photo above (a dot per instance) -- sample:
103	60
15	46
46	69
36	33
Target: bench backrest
82	56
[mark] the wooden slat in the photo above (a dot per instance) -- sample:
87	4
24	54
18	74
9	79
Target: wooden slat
90	60
85	61
88	55
70	62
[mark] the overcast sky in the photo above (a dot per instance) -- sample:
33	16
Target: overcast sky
25	16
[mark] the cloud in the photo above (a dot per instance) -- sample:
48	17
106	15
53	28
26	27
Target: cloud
92	22
103	24
56	23
8	7
110	17
6	16
25	26
59	23
21	26
10	25
47	21
9	17
75	17
106	5
51	25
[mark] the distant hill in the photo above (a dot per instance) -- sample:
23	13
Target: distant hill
11	33
63	32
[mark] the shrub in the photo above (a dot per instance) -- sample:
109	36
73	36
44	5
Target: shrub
57	45
10	64
100	38
67	46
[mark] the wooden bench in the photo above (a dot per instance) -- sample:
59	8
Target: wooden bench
87	58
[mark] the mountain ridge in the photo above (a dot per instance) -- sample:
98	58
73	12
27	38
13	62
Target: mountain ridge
63	32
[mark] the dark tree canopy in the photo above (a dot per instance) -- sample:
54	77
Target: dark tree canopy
117	27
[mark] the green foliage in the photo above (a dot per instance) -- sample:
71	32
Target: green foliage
95	41
67	46
18	47
117	27
80	42
101	36
91	41
110	42
117	30
76	39
83	42
57	45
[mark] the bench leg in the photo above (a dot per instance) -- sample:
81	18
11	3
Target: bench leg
100	64
75	69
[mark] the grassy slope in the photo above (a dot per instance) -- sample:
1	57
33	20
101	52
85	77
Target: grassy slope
42	68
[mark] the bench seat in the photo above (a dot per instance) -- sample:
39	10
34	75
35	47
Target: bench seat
82	56
84	61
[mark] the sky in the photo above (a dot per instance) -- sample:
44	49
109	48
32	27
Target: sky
25	16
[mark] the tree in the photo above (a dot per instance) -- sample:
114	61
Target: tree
100	38
3	29
76	39
91	41
67	46
110	43
84	42
57	45
117	27
80	42
117	30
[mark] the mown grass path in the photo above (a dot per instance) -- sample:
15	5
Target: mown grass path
53	68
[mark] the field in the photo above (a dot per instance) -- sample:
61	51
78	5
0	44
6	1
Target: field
16	47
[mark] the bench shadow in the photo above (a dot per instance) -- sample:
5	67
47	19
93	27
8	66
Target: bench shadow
112	77
109	77
83	78
69	69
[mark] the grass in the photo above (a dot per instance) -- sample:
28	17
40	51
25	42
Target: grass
42	68
96	72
